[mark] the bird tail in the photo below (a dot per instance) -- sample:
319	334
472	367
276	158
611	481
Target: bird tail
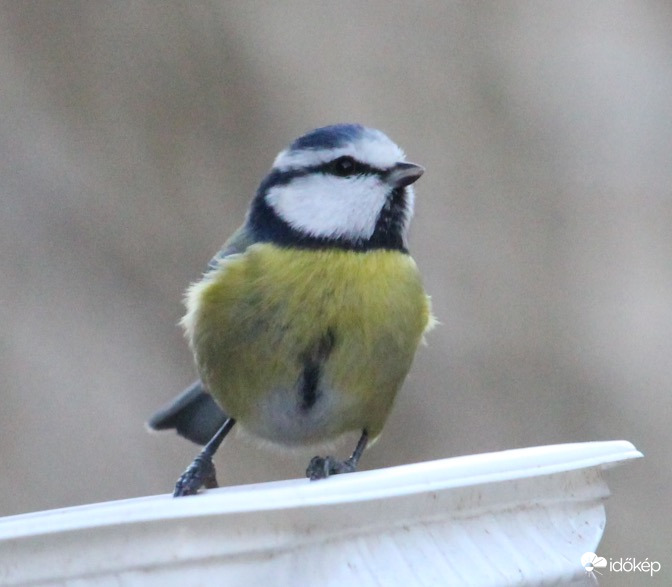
194	414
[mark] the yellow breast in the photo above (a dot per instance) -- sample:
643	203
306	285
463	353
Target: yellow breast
254	322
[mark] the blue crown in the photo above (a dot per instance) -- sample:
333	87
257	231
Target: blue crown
328	137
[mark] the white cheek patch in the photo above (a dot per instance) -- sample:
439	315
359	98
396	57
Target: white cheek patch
324	205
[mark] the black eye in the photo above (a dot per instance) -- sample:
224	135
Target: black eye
344	166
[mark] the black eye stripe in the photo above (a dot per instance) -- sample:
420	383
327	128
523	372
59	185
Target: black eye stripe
343	166
347	166
277	177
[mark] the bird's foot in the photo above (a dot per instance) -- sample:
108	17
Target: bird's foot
201	473
323	467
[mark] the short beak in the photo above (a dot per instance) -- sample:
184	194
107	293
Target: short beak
403	174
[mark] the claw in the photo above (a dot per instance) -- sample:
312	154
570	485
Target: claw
323	467
201	473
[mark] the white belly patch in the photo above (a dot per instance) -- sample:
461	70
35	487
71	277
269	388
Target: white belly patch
281	417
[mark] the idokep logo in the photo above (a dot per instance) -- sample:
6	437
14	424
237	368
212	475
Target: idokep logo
593	563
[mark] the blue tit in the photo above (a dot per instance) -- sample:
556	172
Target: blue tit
305	325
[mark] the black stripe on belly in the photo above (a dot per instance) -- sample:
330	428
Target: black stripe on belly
313	362
311	378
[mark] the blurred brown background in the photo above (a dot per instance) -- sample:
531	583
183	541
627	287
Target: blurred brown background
133	135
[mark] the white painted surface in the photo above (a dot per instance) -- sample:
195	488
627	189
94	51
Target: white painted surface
520	517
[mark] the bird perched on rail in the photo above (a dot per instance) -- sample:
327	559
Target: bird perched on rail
306	322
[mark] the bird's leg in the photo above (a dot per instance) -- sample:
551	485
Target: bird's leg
201	473
323	467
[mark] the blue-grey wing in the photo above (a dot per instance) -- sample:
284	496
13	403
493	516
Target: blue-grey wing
238	243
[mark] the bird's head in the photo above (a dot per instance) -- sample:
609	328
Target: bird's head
344	186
